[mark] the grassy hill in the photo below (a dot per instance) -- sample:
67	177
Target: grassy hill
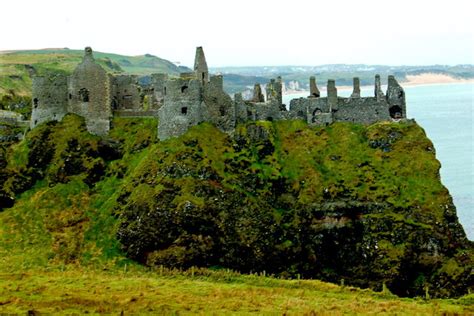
16	67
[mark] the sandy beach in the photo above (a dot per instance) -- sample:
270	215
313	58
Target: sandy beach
433	78
412	80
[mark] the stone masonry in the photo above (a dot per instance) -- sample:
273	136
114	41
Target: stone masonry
196	97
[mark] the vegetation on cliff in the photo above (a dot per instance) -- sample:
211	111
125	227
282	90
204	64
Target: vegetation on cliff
343	202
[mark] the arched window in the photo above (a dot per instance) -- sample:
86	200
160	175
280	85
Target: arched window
395	112
35	102
317	112
84	95
184	89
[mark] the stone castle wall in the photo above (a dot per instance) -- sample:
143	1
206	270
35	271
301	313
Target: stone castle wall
180	103
90	94
183	107
126	93
355	109
220	106
49	99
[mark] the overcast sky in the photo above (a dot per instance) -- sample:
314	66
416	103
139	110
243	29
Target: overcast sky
250	32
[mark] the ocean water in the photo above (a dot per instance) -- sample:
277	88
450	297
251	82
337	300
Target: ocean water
445	111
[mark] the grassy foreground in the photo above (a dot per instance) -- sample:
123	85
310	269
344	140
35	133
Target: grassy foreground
132	291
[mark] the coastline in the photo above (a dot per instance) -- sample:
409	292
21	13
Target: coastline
425	79
432	78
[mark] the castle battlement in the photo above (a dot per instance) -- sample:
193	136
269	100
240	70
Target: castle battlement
195	97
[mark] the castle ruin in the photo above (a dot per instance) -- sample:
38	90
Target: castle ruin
196	97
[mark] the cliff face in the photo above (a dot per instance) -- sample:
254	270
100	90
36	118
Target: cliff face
364	204
359	203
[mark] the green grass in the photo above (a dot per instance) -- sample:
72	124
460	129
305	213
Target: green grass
74	289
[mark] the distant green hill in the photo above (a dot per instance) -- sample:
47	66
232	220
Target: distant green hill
17	67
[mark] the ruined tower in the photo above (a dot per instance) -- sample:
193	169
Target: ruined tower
200	66
313	88
378	89
396	99
274	91
356	91
332	95
90	95
257	93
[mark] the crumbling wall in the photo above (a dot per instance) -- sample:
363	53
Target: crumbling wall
356	91
183	107
158	82
90	94
220	106
126	93
267	111
313	88
378	89
361	110
274	91
195	97
396	99
49	99
332	95
309	109
257	94
241	112
200	66
355	109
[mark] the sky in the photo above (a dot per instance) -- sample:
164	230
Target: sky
250	32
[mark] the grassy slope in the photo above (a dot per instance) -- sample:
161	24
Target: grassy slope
14	75
58	250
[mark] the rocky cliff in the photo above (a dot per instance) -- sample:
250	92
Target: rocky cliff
363	204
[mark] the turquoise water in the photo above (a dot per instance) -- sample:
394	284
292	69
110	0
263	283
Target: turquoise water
446	114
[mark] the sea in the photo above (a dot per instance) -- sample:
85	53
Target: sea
445	111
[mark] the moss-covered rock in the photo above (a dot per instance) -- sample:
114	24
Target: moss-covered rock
364	204
55	151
